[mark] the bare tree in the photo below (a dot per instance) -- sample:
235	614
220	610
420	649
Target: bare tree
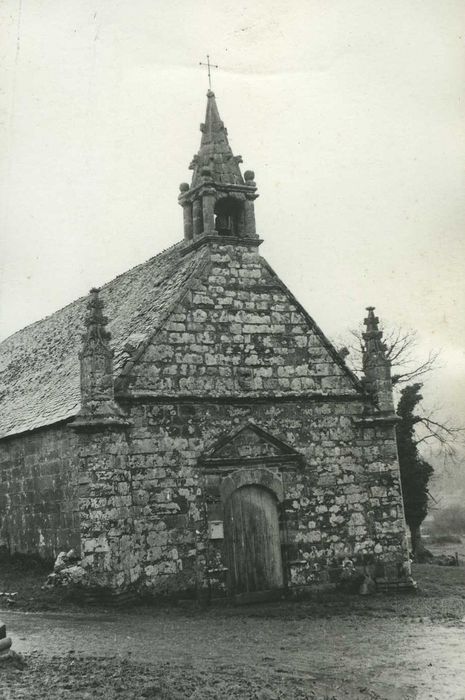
401	349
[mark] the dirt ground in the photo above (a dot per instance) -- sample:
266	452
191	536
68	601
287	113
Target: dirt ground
333	646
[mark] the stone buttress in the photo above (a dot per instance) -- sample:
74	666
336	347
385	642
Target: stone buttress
105	498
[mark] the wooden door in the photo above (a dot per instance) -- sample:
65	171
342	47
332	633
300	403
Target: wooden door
252	541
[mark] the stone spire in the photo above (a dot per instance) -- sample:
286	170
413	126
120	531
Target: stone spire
219	200
376	365
98	406
215	153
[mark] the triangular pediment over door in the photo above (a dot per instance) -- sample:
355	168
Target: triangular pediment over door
249	446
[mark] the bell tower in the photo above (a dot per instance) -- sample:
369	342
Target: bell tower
219	202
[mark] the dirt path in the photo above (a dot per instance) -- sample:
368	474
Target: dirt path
395	657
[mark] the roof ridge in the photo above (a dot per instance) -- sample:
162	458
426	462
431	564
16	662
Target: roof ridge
179	244
84	296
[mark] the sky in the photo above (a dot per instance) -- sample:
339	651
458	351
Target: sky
351	114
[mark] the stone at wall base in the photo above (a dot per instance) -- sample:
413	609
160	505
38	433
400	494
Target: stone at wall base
388	585
368	586
12	658
5	644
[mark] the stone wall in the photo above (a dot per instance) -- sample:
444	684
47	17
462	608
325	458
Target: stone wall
106	498
39	511
341	499
239	331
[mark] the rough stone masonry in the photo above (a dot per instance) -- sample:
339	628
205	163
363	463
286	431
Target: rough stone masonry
189	429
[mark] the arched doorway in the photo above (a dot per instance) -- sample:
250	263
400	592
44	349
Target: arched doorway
253	545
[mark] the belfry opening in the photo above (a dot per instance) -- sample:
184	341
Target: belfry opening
228	217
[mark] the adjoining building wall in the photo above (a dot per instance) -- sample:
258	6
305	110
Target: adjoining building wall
39	510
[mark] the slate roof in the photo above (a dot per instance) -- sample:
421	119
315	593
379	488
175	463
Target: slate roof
39	365
215	151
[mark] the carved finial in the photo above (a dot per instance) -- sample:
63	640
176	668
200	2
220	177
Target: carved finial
371	321
98	406
373	335
95	321
376	364
194	162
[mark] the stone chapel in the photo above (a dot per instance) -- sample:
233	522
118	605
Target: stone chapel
190	430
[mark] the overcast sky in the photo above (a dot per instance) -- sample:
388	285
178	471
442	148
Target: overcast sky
351	114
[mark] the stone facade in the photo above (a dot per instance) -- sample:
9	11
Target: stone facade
249	369
214	386
340	486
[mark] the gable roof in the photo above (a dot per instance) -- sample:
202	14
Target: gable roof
39	365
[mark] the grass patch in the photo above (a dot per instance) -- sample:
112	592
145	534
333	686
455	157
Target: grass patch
446	539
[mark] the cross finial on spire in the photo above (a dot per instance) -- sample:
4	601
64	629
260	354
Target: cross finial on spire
209	65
